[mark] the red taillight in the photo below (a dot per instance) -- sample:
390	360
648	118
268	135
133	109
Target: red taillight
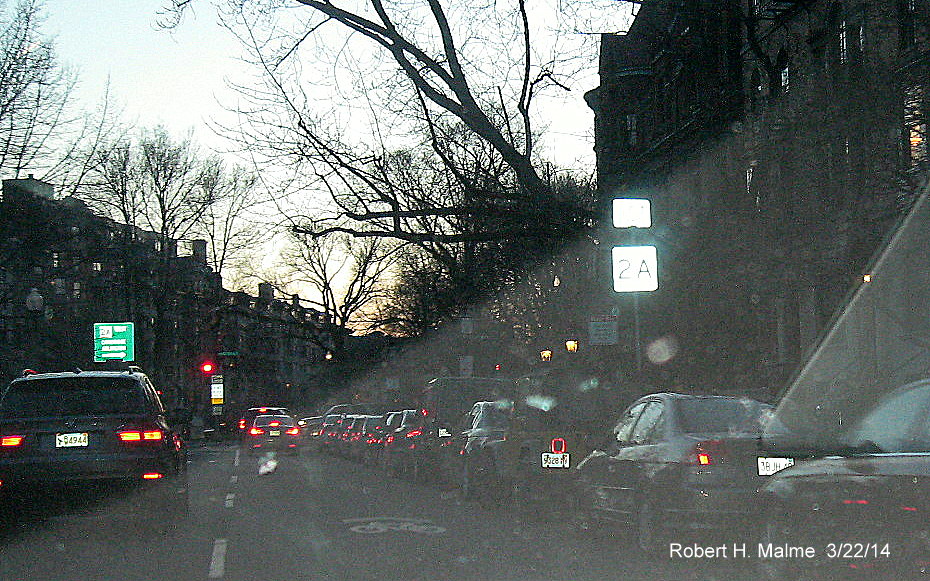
241	424
130	436
152	475
389	439
152	435
414	433
140	435
274	424
293	432
909	508
855	502
558	446
10	441
256	431
263	410
708	453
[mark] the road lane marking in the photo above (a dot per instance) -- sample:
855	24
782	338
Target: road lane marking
218	560
229	500
234	479
236	461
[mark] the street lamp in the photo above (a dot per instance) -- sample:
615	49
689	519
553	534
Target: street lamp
571	345
545	355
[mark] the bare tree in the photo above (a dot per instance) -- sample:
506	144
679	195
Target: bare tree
34	91
225	223
348	276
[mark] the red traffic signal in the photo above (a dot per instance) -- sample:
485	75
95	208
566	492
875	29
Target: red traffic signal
207	367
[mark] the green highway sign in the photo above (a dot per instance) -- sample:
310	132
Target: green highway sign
114	342
228	354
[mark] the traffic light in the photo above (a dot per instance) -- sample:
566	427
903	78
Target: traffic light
207	367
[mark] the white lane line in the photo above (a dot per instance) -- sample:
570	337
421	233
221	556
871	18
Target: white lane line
234	479
236	462
229	500
218	560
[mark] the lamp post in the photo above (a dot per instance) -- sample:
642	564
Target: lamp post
35	307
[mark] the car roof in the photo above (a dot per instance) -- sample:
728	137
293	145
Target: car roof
79	373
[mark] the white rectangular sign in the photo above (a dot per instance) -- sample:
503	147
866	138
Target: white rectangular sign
632	213
635	268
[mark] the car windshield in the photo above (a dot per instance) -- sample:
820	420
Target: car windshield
72	396
628	285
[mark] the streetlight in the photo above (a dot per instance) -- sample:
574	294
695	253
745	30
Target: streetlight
545	355
571	345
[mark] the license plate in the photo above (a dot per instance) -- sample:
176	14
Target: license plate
550	460
275	432
71	440
769	466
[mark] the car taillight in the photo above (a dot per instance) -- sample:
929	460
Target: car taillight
858	501
152	475
274	424
708	453
256	431
389	439
139	435
414	433
11	441
558	446
293	432
241	424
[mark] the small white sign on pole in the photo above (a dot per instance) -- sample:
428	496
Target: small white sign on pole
632	213
635	268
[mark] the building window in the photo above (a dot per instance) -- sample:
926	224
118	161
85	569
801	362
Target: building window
97	267
785	79
76	290
56	262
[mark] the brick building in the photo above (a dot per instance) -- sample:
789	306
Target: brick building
63	268
778	140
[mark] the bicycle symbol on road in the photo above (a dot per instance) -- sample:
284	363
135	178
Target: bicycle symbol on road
382	524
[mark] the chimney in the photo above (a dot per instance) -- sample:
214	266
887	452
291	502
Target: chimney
199	251
265	291
295	300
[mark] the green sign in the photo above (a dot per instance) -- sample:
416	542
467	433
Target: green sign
228	354
114	342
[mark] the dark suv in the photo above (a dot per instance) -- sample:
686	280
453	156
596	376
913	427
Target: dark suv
91	426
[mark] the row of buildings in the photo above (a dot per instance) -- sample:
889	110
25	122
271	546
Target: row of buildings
779	141
64	268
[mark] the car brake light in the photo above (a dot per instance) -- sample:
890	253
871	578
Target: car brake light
855	502
152	435
241	424
263	410
708	452
389	439
293	431
130	436
558	446
10	441
152	475
256	431
274	424
414	433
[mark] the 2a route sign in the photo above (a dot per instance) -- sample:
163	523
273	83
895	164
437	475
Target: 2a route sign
635	268
114	342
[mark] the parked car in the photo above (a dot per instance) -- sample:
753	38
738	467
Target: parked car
675	461
860	503
522	451
83	426
276	432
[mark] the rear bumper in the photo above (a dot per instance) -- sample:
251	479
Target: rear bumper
97	467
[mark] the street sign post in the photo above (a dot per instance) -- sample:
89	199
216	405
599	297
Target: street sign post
632	213
114	342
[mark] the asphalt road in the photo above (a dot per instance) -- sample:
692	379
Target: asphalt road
316	517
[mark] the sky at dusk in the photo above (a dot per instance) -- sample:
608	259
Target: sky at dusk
176	78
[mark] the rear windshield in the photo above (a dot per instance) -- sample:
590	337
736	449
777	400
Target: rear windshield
72	396
714	416
492	417
262	421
